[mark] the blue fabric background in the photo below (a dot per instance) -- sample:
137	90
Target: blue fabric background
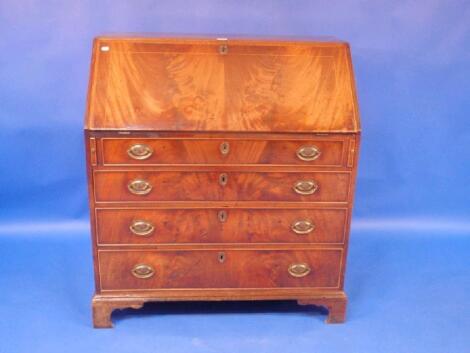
408	275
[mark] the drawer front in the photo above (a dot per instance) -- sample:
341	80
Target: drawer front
157	226
125	151
211	186
144	270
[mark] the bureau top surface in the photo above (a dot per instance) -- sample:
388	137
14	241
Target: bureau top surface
221	84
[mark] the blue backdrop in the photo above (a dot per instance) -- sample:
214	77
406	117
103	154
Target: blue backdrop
412	67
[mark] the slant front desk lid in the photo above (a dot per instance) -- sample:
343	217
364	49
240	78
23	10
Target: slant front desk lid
221	84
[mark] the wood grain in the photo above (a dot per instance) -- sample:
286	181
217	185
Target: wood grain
183	98
104	304
202	269
181	226
207	151
188	85
205	186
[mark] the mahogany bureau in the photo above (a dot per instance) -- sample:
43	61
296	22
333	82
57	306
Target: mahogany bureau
220	169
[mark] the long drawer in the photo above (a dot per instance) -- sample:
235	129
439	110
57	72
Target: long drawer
211	186
151	151
160	226
146	270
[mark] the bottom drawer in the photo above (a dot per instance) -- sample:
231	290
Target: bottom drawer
146	270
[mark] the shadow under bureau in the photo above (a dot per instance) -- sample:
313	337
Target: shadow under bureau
220	169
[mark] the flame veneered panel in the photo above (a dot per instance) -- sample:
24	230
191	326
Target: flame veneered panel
194	86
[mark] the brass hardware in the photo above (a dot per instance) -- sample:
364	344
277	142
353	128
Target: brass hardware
142	228
139	187
299	270
142	271
221	257
223	49
224	148
302	227
308	153
139	151
223	179
305	187
222	215
104	48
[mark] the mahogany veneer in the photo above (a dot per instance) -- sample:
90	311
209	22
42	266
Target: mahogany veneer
220	169
190	268
238	225
112	186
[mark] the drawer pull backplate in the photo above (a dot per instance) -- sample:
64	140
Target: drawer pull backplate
305	187
139	187
308	153
299	270
139	151
302	227
142	271
142	228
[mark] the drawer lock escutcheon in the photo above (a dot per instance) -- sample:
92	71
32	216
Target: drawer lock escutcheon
142	228
142	271
224	148
139	187
223	49
308	153
223	179
299	270
302	227
222	216
221	257
140	151
305	187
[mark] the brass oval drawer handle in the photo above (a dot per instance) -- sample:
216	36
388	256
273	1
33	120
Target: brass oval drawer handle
305	187
140	151
142	271
302	227
308	153
142	228
299	270
139	187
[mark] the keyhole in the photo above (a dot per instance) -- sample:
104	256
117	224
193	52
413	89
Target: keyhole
222	216
224	148
223	179
223	49
221	257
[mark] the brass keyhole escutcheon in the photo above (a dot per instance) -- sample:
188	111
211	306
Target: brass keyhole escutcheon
224	148
223	179
222	215
223	49
221	257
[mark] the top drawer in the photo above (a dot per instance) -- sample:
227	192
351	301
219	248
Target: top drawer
157	151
